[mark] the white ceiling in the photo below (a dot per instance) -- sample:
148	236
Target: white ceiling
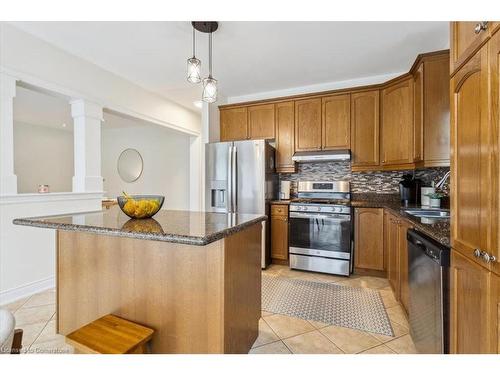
248	57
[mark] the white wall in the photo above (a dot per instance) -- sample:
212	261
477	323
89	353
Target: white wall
42	155
166	162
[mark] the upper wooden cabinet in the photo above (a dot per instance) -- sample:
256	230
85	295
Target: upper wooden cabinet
466	39
369	239
261	124
475	308
234	124
419	112
365	130
397	125
308	125
285	137
336	122
436	111
470	165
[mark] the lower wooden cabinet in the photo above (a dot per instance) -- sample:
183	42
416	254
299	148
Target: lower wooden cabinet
404	288
279	232
391	249
475	307
369	239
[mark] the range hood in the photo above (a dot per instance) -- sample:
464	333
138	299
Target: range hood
319	156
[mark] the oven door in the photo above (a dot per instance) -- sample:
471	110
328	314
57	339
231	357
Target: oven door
325	235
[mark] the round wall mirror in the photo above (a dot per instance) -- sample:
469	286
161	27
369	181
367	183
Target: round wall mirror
130	165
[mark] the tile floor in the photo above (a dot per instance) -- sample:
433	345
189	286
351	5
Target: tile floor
278	334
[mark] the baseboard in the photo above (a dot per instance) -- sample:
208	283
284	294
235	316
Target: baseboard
11	295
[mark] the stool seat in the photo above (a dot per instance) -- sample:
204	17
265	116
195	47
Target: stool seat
110	335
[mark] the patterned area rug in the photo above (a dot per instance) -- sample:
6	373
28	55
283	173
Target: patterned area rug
339	305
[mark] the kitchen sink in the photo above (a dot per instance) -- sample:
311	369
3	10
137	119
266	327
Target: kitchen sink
436	213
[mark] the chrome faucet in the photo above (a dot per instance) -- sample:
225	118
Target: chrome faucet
441	182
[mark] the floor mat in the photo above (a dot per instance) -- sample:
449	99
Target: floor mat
340	305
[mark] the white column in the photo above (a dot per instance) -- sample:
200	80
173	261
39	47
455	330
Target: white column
8	180
87	118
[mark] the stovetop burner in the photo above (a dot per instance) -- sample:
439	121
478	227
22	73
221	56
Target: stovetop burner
340	202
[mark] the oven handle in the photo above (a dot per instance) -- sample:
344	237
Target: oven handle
341	217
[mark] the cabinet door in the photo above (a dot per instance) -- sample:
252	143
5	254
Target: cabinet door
437	112
285	120
470	156
474	307
279	237
336	129
261	121
494	186
392	249
308	125
365	130
397	124
466	39
369	238
418	112
233	124
403	263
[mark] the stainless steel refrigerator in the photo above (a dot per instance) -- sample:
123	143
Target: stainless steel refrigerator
241	178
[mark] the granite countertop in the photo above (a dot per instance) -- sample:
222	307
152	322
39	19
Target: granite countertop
185	227
281	201
438	229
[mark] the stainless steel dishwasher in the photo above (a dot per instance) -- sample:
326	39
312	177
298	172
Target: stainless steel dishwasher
428	276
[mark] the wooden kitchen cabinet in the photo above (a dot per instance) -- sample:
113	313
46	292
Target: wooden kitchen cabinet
365	130
404	288
285	137
234	124
369	239
391	249
465	39
470	183
474	307
419	111
494	186
397	146
261	121
435	118
336	122
279	233
308	124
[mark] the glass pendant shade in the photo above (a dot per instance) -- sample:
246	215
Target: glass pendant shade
209	90
194	70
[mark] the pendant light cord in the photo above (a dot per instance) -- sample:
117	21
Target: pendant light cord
210	55
194	42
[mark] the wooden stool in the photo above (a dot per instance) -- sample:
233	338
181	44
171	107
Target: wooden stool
110	335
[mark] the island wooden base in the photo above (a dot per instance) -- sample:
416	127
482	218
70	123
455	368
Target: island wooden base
198	299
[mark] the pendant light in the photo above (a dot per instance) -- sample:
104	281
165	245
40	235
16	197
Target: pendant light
193	64
209	83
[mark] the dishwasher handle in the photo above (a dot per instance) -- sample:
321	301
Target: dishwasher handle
438	252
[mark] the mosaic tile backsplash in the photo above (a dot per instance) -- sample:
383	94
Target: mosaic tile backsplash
385	182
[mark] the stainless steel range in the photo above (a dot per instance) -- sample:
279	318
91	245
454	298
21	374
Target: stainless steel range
321	228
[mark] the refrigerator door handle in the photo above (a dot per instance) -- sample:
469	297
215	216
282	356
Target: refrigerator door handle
234	176
230	180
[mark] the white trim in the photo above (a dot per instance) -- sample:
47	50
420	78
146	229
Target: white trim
43	84
50	197
372	80
14	294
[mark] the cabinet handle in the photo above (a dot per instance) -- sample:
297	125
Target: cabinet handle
477	253
480	26
487	257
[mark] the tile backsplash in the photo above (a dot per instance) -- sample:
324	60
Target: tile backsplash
385	182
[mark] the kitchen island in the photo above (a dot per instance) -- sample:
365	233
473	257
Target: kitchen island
194	277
